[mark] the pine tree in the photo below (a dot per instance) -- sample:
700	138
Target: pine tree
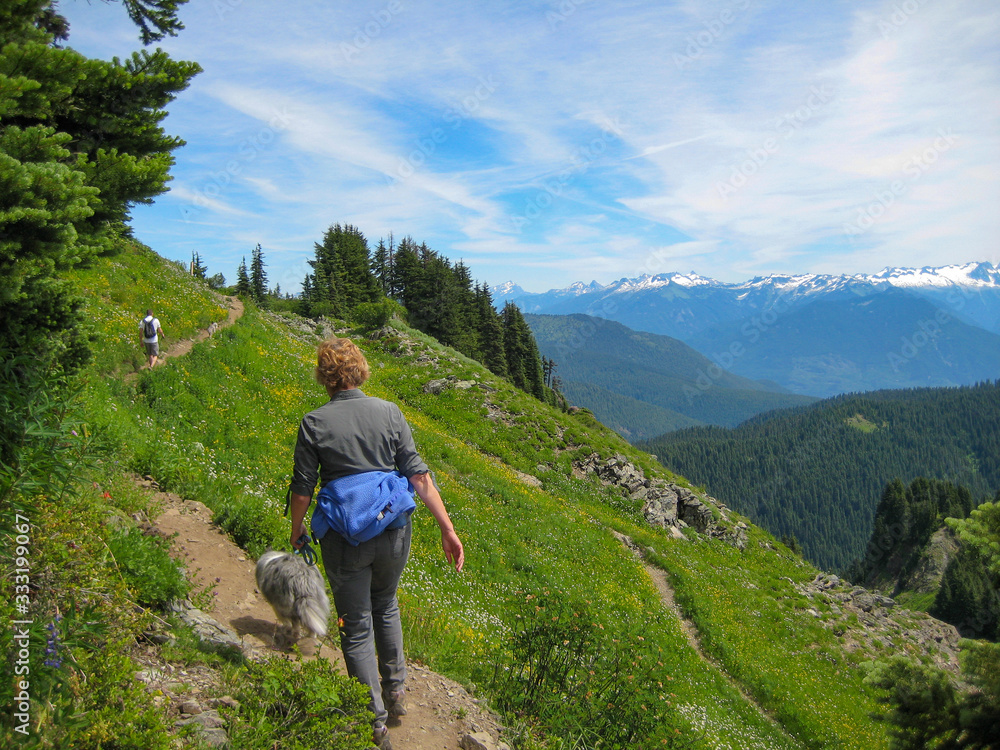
490	333
967	598
258	277
382	262
406	277
306	297
81	144
981	530
198	269
155	18
243	288
523	360
343	262
326	299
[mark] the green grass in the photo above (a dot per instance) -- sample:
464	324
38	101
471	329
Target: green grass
859	423
219	426
916	601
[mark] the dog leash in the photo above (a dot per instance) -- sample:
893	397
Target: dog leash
305	550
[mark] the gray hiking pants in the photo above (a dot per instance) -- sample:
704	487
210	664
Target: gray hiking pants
364	581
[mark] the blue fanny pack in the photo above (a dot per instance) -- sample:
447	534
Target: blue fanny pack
359	507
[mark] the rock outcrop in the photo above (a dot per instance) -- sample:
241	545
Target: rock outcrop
664	503
867	620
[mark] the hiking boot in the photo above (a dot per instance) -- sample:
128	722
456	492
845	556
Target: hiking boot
395	703
380	736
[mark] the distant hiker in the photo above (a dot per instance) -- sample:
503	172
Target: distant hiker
361	451
151	331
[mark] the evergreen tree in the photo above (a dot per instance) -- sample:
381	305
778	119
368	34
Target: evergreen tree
440	309
490	332
523	360
80	143
382	262
967	598
198	269
306	297
243	287
981	530
326	299
926	710
346	265
513	346
155	18
258	277
464	303
407	274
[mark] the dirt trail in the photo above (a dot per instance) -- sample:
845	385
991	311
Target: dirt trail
182	347
441	713
666	592
170	349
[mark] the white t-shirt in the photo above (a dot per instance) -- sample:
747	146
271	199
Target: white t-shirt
156	327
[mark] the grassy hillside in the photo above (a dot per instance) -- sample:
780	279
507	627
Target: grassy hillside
643	384
543	562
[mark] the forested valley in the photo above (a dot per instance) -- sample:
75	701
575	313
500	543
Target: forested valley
815	474
919	552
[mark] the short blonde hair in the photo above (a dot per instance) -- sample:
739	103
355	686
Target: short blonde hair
341	365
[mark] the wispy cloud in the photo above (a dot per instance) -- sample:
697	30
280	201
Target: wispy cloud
546	143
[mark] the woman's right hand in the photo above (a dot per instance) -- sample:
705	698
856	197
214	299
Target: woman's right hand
297	535
453	550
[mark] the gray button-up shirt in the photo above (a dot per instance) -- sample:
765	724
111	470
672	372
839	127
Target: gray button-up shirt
350	434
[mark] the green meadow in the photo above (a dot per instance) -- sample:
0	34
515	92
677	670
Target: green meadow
554	621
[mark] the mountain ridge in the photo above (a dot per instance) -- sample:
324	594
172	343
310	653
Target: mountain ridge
973	273
684	304
643	384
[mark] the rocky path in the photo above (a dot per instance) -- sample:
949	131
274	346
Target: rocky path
441	713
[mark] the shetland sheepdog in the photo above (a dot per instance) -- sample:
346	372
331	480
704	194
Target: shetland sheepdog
297	594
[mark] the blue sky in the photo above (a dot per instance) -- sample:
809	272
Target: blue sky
578	140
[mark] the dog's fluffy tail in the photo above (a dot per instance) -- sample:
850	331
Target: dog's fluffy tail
313	614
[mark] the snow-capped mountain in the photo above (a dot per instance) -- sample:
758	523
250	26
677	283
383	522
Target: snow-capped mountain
814	334
981	275
683	305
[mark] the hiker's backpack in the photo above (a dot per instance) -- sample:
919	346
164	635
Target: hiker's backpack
148	329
